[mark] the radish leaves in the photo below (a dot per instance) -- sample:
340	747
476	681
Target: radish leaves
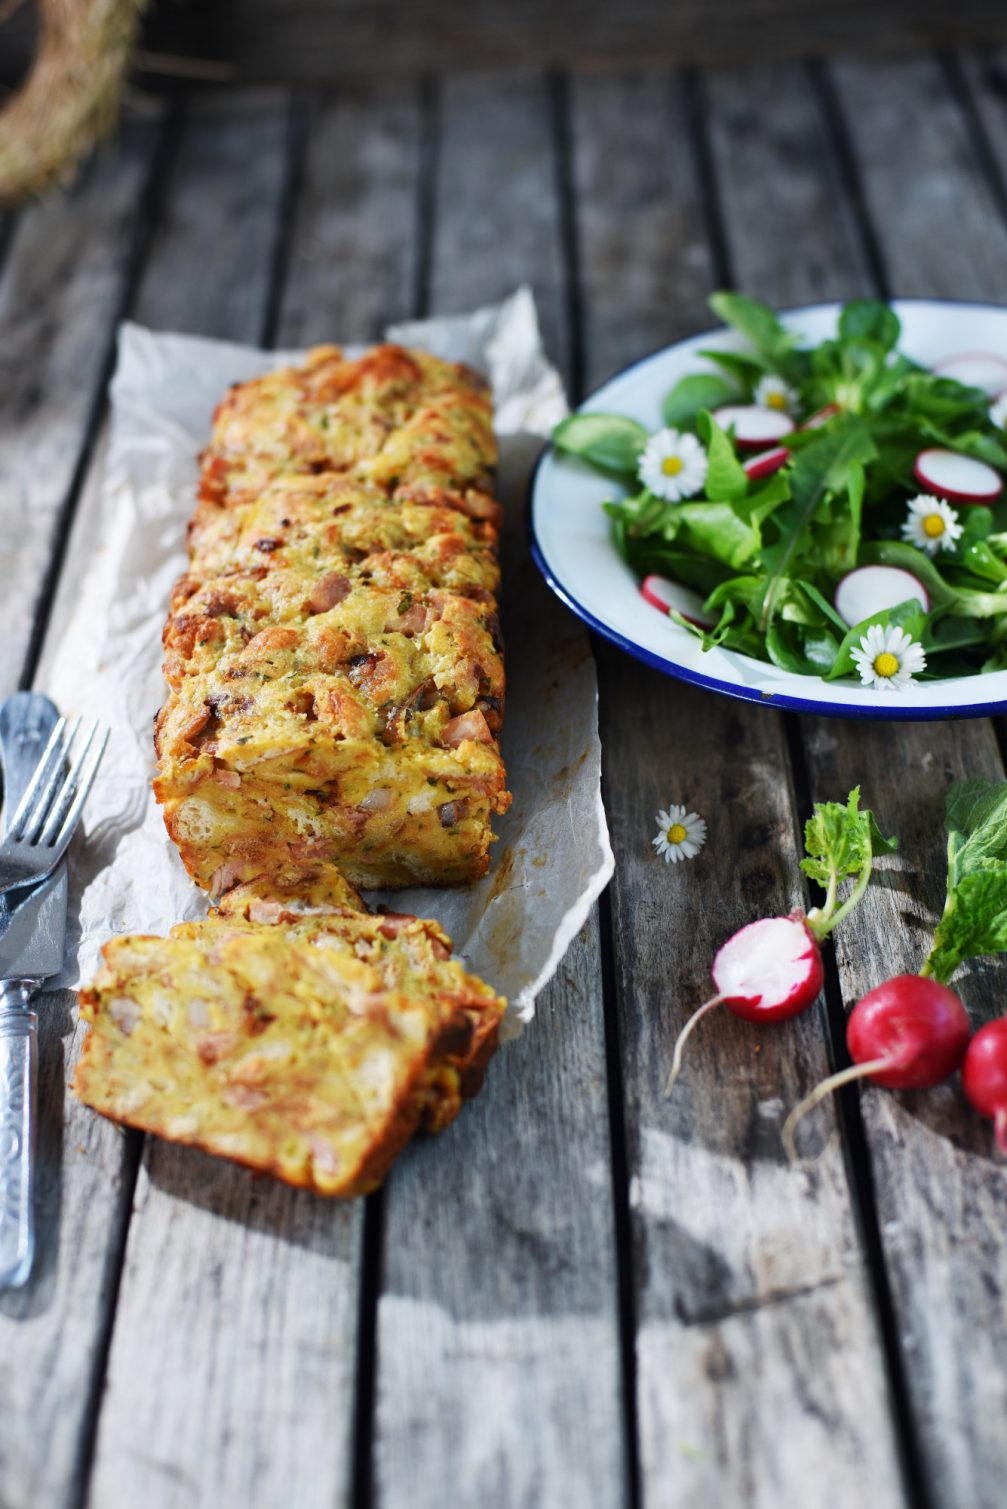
840	842
974	921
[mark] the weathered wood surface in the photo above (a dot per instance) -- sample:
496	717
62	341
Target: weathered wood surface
63	282
225	1277
796	1335
940	1202
498	1354
302	39
748	1278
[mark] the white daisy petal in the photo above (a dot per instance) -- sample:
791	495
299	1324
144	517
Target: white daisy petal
888	659
673	465
773	393
931	524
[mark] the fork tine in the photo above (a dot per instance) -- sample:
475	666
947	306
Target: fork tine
67	791
49	760
84	785
51	790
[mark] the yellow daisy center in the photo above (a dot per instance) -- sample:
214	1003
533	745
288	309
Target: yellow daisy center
676	834
886	664
671	466
776	401
933	525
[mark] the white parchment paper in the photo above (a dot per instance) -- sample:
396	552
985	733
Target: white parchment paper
554	856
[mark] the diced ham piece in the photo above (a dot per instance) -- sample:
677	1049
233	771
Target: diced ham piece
393	923
471	725
224	877
329	592
229	778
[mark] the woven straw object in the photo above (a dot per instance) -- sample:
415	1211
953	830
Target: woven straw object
71	95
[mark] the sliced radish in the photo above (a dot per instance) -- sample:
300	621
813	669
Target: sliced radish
976	369
963	479
871	589
753	425
822	417
663	594
766	463
770	970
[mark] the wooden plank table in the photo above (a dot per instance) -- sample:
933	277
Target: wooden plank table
583	1294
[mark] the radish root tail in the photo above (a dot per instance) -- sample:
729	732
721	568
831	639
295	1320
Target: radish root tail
834	1082
684	1035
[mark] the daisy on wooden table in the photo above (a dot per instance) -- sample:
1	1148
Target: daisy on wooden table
932	524
773	393
680	834
672	465
888	658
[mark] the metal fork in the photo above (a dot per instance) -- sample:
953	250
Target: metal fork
50	809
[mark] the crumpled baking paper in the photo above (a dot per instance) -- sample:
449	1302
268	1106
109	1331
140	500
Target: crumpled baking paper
554	856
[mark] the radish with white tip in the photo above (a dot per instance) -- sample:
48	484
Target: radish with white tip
873	589
753	425
976	369
766	463
665	595
772	969
962	479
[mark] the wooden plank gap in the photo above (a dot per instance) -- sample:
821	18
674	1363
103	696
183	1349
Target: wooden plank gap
144	227
624	1264
693	87
859	1173
371	1268
426	193
302	111
558	84
850	176
124	1209
979	138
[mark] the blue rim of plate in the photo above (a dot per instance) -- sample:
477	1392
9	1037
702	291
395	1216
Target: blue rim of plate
780	700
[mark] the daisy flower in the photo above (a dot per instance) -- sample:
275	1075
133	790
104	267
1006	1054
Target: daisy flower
888	659
673	465
680	834
932	524
998	412
774	393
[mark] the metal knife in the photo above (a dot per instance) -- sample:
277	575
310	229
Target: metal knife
32	930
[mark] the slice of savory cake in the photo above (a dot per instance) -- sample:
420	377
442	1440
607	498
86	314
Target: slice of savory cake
310	1049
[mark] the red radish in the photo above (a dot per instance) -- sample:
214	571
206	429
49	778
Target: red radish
753	425
766	463
976	369
766	972
908	1034
822	416
984	1076
962	479
871	589
664	594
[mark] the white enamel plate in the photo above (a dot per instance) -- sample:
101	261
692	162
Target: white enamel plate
571	544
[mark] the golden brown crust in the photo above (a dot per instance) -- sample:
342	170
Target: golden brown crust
334	651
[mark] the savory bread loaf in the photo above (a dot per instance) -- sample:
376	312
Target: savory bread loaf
334	652
310	1049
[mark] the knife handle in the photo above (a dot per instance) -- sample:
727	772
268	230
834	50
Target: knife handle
18	1075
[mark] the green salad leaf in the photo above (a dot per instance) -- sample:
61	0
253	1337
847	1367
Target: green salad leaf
841	841
974	921
768	553
608	441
